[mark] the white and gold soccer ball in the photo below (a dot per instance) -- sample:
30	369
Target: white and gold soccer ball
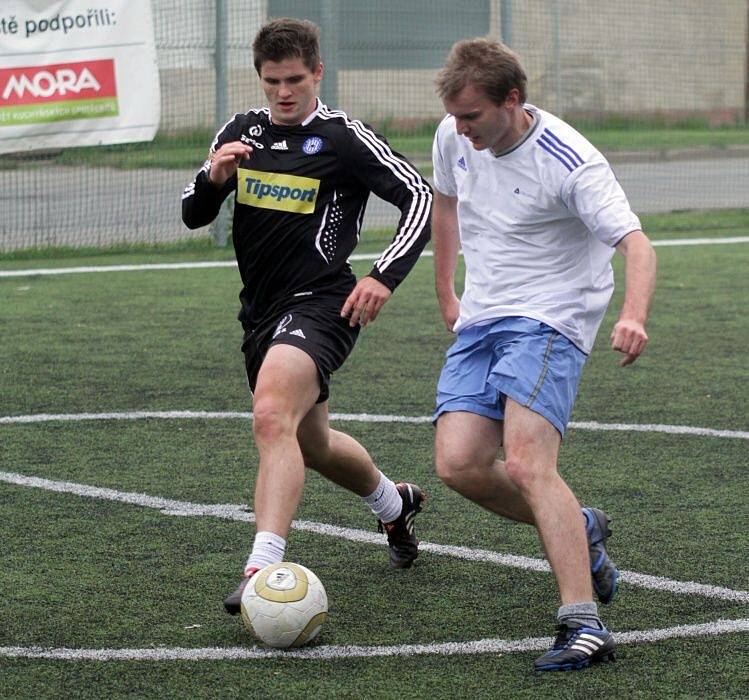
284	605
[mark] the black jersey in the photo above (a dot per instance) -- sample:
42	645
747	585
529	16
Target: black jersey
299	205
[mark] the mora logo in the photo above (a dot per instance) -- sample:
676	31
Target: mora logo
59	91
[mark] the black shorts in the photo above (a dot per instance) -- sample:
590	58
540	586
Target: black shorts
314	327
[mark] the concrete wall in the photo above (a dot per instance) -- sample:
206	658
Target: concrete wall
591	57
638	57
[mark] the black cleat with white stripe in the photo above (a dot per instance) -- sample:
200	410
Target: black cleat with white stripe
404	547
575	648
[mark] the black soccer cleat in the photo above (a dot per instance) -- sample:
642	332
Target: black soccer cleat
233	603
604	574
575	648
404	547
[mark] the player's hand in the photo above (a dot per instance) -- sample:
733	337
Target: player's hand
629	337
365	301
225	160
450	309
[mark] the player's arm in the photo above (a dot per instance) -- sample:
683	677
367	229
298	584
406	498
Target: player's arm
593	192
390	176
202	198
446	244
629	336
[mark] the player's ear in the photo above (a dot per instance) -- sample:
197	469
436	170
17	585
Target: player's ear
318	72
513	98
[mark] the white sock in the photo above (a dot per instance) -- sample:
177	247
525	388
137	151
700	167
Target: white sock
268	548
385	501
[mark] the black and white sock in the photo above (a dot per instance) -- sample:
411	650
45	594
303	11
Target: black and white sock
385	501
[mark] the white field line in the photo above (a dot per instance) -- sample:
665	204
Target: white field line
324	653
355	417
357	256
239	513
700	241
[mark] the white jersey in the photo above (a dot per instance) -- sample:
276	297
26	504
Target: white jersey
537	226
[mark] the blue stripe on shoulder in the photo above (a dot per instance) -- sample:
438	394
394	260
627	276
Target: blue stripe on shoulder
562	159
565	147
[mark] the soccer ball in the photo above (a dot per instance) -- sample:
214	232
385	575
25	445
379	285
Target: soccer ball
284	605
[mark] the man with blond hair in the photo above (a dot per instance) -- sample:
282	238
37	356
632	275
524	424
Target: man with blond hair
538	214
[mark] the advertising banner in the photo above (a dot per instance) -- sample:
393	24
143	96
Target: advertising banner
76	73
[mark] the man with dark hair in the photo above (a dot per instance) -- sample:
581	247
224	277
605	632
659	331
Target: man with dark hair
538	214
302	173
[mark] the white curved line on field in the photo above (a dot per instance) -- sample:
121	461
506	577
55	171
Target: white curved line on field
31	272
322	653
355	417
239	513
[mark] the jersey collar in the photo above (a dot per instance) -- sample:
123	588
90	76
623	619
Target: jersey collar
534	115
315	112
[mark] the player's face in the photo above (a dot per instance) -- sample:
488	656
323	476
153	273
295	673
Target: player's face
290	88
484	123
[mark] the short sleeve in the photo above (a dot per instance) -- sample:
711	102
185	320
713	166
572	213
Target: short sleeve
593	193
444	181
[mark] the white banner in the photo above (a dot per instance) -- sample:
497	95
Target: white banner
77	73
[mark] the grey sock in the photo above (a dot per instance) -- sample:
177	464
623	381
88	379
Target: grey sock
580	615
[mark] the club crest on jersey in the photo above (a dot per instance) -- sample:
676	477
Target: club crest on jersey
277	191
312	145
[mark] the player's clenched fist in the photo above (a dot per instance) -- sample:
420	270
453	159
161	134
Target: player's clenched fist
225	160
629	337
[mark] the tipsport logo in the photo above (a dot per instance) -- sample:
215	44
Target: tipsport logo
277	191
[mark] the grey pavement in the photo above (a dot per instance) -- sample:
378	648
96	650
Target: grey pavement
58	206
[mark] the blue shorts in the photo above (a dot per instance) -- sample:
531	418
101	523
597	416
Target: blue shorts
515	357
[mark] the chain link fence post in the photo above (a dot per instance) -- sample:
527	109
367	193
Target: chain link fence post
221	225
329	51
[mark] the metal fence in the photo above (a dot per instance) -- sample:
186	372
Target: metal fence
661	88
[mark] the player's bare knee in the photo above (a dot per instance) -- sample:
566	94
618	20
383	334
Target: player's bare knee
270	422
524	474
452	470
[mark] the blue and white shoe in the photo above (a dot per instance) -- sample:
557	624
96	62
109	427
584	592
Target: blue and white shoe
603	572
575	648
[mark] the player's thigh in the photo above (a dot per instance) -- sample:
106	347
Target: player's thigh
465	441
531	441
287	382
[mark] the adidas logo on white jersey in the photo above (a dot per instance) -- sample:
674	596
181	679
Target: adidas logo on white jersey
298	332
279	146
